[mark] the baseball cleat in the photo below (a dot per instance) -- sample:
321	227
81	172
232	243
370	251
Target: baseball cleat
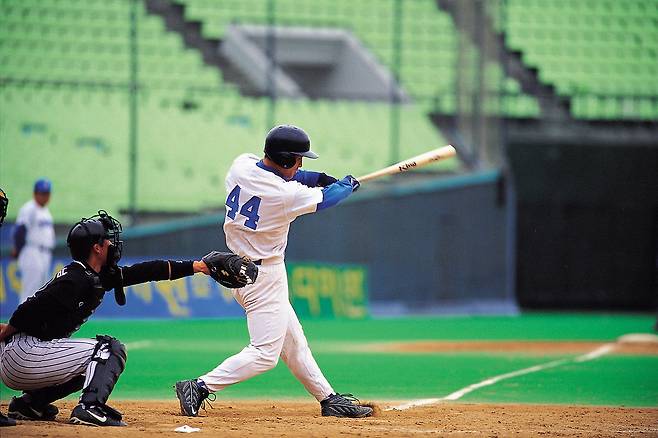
19	409
344	405
192	395
4	421
95	416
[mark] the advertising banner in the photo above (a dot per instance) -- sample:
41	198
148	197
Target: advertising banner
316	290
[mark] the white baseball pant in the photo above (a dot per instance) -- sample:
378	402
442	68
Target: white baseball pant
34	264
274	332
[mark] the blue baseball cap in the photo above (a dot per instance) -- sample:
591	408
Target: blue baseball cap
42	185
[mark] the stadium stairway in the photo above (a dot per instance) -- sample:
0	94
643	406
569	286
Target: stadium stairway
552	105
190	30
562	119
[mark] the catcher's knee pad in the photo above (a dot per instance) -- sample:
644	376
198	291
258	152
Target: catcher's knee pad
107	363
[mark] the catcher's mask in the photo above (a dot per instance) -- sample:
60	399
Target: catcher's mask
94	230
4	202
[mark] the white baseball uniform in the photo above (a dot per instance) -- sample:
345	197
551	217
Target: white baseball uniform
259	209
36	256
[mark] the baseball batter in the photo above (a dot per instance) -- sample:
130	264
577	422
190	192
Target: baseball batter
34	240
264	197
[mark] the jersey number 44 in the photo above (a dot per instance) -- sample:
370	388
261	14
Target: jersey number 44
249	209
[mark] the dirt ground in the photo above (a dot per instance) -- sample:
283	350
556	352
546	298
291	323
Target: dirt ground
302	419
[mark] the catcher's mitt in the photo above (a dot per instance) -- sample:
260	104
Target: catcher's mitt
230	269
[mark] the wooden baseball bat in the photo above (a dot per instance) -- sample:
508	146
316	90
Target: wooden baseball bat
412	163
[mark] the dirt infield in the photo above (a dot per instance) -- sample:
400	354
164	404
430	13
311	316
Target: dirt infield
302	419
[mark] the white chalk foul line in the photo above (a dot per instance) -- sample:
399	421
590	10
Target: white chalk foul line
138	345
600	351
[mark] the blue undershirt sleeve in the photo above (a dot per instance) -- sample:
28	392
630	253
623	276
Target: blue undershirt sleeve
307	177
20	234
334	193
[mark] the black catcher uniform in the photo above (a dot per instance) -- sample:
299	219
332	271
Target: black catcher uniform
4	202
41	359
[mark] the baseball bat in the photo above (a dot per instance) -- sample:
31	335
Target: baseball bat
412	163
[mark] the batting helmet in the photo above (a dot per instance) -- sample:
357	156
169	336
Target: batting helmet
90	231
286	142
4	202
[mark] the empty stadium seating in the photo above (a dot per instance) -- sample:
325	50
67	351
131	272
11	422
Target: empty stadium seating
64	104
601	54
80	140
429	41
65	70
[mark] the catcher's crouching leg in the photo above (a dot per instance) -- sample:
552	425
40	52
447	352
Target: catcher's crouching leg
35	404
107	364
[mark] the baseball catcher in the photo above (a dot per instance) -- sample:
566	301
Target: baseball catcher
37	354
4	202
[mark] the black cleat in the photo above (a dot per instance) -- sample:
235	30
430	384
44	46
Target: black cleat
4	421
192	396
344	405
19	409
96	416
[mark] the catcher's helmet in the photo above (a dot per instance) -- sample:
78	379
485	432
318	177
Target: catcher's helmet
285	142
89	231
4	202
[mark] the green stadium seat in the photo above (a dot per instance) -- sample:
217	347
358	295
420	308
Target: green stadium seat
602	48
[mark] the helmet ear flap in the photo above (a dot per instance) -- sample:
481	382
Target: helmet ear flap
283	159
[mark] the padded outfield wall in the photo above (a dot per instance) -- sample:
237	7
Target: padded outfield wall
587	225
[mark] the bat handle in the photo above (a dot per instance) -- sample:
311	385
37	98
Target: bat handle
364	178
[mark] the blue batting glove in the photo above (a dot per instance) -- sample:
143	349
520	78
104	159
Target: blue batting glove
353	182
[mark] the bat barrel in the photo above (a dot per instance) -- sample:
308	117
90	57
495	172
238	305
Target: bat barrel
411	163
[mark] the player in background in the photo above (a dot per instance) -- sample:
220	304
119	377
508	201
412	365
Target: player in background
4	203
264	197
34	240
37	354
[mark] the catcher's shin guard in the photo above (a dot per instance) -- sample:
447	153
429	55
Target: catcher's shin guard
344	405
107	363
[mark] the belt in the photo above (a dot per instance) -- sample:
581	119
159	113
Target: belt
270	261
